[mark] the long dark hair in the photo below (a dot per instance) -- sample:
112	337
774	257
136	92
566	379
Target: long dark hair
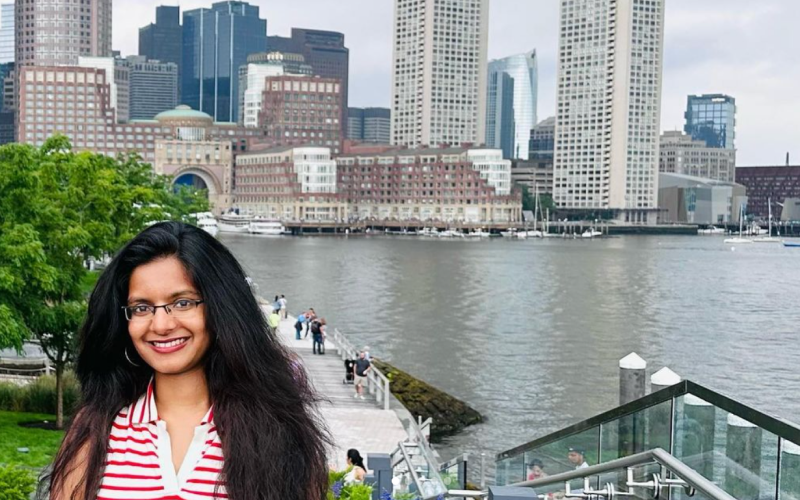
355	458
272	438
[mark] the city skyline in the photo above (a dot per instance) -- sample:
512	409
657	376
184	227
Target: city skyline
733	47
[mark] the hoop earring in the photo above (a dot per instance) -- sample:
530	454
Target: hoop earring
129	359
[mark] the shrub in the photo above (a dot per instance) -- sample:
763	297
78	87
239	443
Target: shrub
16	483
39	396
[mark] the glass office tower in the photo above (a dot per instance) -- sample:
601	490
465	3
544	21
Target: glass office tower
510	117
712	118
216	42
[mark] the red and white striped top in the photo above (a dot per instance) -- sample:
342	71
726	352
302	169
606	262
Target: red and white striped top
139	463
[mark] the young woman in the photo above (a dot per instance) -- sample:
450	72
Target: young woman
185	394
358	471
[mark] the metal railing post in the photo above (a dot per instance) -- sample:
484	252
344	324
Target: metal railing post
387	394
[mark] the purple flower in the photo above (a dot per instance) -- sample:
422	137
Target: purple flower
337	488
386	495
440	497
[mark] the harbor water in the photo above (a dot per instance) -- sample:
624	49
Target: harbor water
530	332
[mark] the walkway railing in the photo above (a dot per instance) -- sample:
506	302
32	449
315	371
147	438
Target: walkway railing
377	383
746	453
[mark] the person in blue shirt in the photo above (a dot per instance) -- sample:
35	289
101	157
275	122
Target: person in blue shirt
298	326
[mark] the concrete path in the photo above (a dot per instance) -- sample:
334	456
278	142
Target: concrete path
353	423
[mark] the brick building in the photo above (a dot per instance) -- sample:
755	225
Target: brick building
302	110
764	183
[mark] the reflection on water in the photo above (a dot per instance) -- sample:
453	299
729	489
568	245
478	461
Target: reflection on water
530	332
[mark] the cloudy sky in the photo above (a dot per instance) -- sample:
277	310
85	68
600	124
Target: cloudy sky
745	48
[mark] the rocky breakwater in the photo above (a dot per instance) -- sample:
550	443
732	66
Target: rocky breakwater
450	415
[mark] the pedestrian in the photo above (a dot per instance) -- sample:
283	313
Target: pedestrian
274	321
298	325
576	456
318	336
361	368
357	472
284	309
276	304
311	315
171	328
536	470
366	353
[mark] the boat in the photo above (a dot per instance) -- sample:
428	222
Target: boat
450	233
208	225
478	233
769	238
514	233
739	240
266	227
234	223
711	230
791	244
533	234
591	233
428	231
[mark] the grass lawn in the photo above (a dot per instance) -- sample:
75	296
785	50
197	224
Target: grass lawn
43	444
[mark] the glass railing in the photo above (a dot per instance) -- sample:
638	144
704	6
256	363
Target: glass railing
746	453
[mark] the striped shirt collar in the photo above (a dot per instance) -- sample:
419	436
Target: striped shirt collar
144	410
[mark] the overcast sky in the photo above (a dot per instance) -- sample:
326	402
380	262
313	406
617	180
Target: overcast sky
749	49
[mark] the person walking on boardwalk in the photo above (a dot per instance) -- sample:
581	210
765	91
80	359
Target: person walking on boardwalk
276	304
173	346
298	325
361	367
311	315
318	336
284	310
274	321
357	469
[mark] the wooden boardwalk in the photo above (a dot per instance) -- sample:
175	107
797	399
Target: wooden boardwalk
353	423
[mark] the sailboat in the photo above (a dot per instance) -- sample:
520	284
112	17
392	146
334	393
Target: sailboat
535	233
769	238
739	239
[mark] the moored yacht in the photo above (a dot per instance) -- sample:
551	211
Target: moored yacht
267	227
234	223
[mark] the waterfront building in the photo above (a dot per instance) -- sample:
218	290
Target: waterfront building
369	125
216	43
288	183
325	52
687	199
681	154
712	118
301	110
536	174
439	72
253	75
58	32
608	107
542	142
153	86
118	78
448	184
163	40
512	93
776	183
76	102
7	33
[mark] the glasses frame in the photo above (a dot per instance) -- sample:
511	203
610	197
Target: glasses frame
153	309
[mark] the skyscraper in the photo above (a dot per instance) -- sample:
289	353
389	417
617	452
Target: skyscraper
252	78
324	51
118	80
369	124
609	106
153	86
7	33
511	132
216	42
163	40
439	72
58	32
712	118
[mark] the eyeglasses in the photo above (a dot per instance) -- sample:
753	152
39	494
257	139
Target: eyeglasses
179	308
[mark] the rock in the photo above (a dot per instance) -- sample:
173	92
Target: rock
450	415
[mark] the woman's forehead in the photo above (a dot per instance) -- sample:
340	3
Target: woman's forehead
160	277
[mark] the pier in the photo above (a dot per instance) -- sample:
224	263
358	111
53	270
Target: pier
370	425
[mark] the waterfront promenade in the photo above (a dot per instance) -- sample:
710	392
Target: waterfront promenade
353	423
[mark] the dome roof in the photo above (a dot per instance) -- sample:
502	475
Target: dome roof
183	112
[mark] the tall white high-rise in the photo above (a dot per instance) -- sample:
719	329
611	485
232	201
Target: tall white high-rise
439	71
609	107
512	93
7	33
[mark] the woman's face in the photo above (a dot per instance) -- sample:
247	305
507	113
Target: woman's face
171	344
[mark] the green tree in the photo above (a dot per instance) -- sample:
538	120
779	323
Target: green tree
57	209
528	200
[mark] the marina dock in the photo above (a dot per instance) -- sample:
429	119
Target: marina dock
353	423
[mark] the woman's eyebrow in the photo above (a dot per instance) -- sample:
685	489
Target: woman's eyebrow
171	297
